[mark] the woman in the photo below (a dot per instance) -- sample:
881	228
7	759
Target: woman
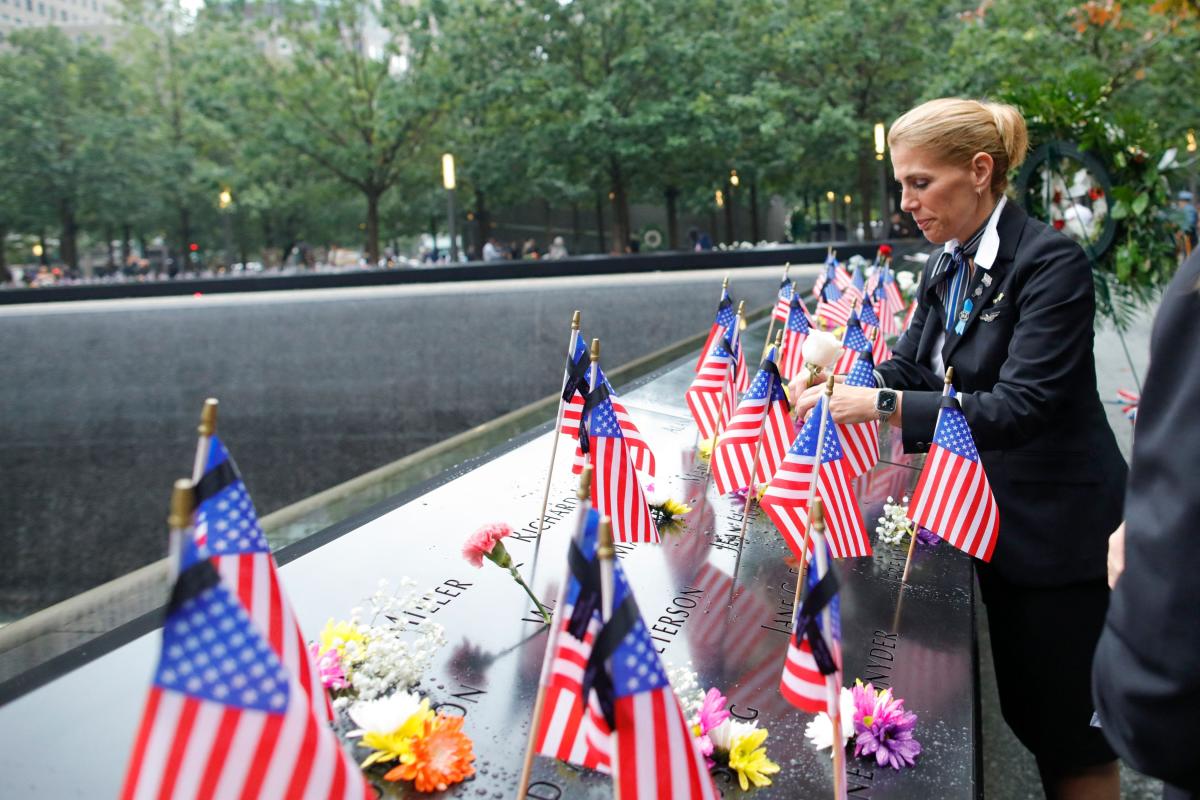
1008	302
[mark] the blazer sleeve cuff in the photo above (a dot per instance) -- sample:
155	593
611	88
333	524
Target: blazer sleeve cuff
920	419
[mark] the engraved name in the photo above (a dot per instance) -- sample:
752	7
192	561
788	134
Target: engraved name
881	658
437	599
677	612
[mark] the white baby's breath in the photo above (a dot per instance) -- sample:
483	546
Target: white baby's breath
894	525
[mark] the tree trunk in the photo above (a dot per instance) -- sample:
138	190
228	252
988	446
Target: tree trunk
600	225
549	226
575	233
484	223
112	254
730	233
44	258
70	229
868	190
373	227
755	238
126	245
620	201
185	234
5	275
672	218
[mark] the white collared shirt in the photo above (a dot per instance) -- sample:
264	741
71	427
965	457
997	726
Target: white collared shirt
985	256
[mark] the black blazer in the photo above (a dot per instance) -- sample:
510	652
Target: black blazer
1146	676
1027	379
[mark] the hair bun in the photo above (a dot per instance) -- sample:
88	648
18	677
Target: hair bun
1011	126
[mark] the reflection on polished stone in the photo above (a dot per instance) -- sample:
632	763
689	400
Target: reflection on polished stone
732	627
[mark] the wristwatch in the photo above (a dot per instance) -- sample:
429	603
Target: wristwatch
885	404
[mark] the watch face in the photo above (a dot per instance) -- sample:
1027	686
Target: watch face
885	403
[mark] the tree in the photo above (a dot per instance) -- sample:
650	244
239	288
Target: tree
349	94
61	103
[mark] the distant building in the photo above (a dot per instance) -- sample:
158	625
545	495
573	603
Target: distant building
76	18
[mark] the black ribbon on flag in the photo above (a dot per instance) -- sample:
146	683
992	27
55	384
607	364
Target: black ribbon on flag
594	398
769	366
950	402
806	621
577	374
216	479
587	574
596	674
192	582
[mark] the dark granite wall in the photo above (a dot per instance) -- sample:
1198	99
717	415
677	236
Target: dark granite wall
100	402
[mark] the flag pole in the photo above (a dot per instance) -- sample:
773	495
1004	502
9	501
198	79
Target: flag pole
557	427
751	490
737	324
207	428
771	327
584	493
912	539
833	683
605	553
826	417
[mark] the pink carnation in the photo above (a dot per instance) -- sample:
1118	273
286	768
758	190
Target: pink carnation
329	667
483	541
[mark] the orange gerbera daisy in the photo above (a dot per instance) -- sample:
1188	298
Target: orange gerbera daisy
441	758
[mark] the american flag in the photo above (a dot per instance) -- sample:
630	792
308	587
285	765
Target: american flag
763	414
891	290
643	458
722	322
224	718
888	302
711	397
571	728
792	360
656	755
867	316
870	320
831	309
854	341
616	490
787	498
784	303
814	658
855	291
1129	402
227	526
908	318
860	439
832	276
953	497
741	375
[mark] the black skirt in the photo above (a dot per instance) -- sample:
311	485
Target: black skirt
1043	639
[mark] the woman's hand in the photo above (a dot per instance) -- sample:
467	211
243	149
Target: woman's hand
849	404
1116	555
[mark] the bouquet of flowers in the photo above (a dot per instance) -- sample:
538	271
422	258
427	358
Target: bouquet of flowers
875	722
373	654
409	742
724	741
894	525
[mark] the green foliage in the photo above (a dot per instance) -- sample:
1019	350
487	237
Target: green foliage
327	120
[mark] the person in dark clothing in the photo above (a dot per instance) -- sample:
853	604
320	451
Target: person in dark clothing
1009	303
1146	673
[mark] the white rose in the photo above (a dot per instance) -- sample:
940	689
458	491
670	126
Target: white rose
904	280
822	349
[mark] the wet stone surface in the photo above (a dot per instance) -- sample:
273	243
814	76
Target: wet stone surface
731	625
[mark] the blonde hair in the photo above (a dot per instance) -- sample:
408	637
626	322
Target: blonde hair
956	129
